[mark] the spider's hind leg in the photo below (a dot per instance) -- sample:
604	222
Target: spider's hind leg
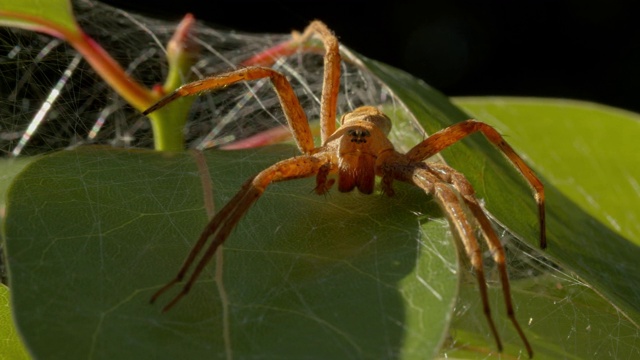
449	200
462	185
450	203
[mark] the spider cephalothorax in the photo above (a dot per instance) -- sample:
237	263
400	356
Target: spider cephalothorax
356	153
357	147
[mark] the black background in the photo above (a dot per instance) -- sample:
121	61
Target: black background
588	50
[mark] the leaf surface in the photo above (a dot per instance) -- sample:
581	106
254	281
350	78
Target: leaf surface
93	232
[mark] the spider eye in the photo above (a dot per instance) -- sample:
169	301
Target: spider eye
358	135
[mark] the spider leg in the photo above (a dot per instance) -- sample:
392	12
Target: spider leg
454	133
451	204
462	185
331	79
296	117
225	221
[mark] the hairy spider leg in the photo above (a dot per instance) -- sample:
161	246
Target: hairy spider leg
450	203
331	77
224	221
456	132
296	117
462	185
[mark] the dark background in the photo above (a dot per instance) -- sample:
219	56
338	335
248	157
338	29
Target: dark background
588	50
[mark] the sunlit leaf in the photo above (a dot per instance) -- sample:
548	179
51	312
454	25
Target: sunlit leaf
10	345
54	17
567	320
586	154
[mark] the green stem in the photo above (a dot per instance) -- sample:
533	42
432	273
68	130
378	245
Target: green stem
111	72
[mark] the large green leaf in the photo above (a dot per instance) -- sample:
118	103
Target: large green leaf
92	233
562	138
587	153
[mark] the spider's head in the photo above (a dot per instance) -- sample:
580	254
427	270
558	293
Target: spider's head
369	114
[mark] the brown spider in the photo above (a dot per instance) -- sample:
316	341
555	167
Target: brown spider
357	152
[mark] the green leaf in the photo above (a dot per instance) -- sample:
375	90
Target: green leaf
10	344
11	167
586	154
590	243
54	17
92	233
568	321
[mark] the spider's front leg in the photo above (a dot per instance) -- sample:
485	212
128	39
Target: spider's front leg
296	117
219	228
456	132
331	75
